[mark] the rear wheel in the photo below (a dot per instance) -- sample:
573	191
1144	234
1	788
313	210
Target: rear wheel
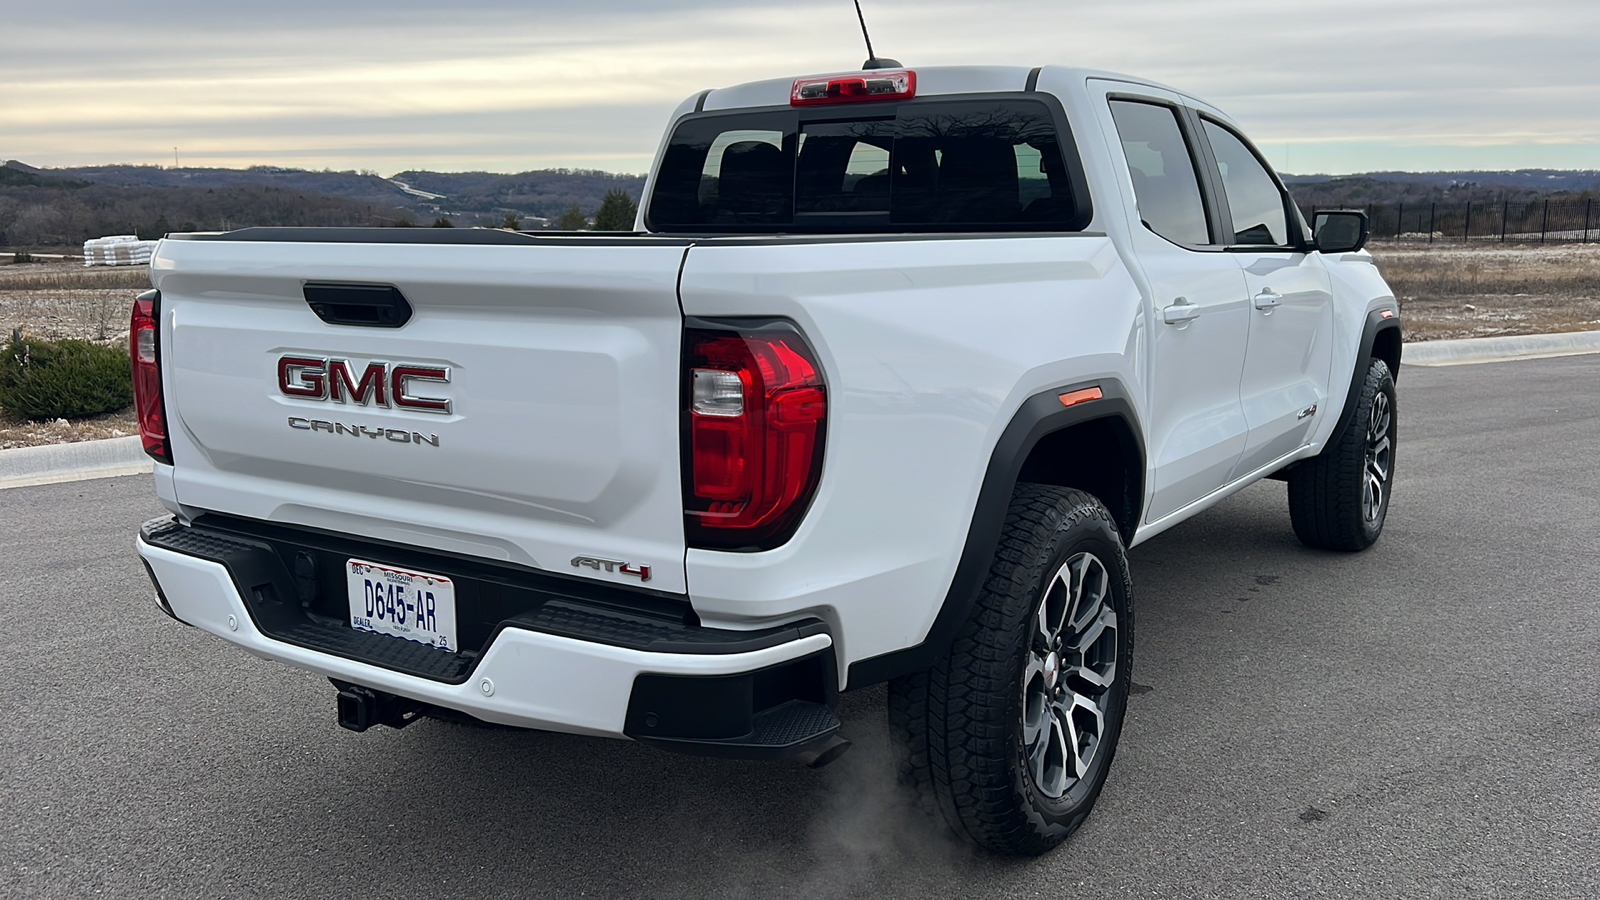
1339	499
1011	734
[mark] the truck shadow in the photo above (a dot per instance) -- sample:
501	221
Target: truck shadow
559	814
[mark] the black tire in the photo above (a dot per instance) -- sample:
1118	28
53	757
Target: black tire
959	729
1329	500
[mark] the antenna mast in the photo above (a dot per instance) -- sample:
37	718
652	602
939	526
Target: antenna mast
873	62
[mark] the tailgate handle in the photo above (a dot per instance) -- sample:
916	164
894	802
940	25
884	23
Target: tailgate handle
369	305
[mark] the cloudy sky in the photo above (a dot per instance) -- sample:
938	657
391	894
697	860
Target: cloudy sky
1357	85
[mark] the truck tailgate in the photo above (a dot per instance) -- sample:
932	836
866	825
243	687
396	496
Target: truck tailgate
560	443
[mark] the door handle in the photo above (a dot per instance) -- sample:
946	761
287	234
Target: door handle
1180	312
1268	299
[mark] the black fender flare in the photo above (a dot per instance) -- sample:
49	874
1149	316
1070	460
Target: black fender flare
1040	415
1378	321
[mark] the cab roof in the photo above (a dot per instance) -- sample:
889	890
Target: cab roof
931	80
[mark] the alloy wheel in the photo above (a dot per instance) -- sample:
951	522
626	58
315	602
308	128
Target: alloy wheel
1380	444
1066	683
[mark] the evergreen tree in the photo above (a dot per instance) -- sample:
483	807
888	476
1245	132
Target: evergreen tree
512	223
572	219
617	212
442	222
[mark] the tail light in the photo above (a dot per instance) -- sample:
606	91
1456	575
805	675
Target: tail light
756	415
144	345
853	88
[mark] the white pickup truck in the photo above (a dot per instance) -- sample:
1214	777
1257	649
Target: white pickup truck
896	366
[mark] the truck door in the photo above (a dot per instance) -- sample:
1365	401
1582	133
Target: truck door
1285	381
1195	296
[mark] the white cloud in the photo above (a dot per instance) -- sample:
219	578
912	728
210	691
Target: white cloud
1355	85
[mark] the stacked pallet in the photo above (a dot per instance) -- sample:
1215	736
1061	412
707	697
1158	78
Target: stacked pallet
118	250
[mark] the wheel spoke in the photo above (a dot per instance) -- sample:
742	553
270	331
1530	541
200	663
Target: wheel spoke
1035	701
1082	724
1058	751
1037	752
1378	459
1091	582
1096	651
1052	616
1378	422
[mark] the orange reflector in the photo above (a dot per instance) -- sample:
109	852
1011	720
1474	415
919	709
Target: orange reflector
1073	398
1386	314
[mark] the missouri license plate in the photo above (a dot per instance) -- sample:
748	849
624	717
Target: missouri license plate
403	604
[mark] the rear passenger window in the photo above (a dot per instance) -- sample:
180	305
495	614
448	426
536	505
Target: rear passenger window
1254	200
930	166
1165	183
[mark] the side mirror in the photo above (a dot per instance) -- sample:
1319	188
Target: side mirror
1341	231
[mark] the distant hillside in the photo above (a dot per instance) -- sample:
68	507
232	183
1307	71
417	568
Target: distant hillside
467	198
66	206
1389	188
547	193
39	211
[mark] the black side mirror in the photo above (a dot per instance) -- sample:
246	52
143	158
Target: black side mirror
1340	231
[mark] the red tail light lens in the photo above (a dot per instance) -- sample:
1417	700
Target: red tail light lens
144	346
853	88
757	411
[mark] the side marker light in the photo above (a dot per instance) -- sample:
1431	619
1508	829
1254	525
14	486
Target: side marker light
1073	398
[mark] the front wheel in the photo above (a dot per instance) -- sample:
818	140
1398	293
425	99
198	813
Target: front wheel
1012	732
1339	499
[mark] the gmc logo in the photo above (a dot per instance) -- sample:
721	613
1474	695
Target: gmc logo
379	384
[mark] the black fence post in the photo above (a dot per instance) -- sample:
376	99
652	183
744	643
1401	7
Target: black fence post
1433	214
1586	205
1505	210
1544	226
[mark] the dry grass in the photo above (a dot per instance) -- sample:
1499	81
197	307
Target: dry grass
72	276
60	431
59	300
1486	291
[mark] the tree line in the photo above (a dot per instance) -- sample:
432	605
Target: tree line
43	214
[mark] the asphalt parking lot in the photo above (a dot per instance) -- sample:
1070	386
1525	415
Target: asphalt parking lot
1416	721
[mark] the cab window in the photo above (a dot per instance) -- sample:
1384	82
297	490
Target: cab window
1259	216
1165	183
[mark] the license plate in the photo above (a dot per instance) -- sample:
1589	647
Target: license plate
411	605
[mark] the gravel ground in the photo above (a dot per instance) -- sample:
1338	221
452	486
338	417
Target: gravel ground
1491	290
20	433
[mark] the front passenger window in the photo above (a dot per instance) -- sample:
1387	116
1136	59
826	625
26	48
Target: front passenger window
1253	195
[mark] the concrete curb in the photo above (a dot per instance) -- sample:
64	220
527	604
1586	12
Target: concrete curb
81	461
1498	349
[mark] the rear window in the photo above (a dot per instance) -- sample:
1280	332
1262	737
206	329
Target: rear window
925	166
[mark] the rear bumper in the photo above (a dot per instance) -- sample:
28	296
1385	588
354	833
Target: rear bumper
707	702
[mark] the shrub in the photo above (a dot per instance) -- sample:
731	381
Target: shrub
616	212
63	379
572	220
21	256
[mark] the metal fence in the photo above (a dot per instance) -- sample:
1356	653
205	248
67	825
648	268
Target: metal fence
1535	222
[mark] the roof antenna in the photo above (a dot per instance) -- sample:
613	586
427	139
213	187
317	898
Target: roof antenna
873	62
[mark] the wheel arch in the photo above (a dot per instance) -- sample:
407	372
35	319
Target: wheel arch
1095	446
1380	339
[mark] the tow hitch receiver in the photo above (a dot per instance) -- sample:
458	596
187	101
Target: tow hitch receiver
361	708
